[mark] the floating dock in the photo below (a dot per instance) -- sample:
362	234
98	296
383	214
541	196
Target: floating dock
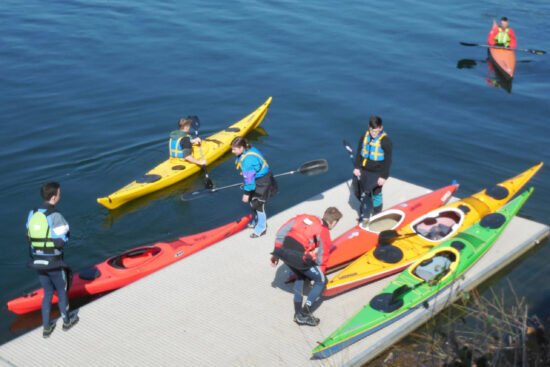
227	306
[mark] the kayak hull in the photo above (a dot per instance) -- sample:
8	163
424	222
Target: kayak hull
414	288
412	242
174	170
504	61
126	268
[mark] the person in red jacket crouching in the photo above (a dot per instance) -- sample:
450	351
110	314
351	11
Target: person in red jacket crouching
303	244
502	35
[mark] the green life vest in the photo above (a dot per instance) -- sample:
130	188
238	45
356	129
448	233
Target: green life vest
502	37
39	231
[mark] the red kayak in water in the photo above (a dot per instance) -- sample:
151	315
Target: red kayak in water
131	265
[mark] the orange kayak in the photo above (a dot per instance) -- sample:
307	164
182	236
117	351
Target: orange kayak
504	61
361	238
123	269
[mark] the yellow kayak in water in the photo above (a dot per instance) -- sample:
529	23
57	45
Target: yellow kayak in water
416	239
174	170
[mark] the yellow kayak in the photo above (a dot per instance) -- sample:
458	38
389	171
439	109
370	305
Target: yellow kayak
417	238
176	169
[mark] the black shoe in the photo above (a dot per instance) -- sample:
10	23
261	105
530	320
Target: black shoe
69	324
302	319
254	235
46	332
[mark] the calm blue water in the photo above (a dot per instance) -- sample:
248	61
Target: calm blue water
91	89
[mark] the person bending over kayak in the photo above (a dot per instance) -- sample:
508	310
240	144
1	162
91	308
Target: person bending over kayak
372	168
259	183
303	244
502	35
181	143
48	233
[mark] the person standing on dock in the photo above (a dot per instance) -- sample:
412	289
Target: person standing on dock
502	35
48	233
372	168
181	143
259	183
303	243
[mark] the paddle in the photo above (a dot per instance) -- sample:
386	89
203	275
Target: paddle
307	169
362	194
196	124
390	235
535	52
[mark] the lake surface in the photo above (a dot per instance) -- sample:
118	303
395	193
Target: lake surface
91	90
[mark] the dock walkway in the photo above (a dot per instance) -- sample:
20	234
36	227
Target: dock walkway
226	306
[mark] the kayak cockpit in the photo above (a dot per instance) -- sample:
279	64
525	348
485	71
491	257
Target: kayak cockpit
134	258
386	220
438	226
436	266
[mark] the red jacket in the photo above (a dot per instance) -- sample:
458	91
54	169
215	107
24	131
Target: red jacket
312	233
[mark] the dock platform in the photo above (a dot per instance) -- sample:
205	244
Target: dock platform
226	306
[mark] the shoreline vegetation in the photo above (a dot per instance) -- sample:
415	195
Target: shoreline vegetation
477	331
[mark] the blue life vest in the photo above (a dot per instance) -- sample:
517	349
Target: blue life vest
175	146
252	152
372	148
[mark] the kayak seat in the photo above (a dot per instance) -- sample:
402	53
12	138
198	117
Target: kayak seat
90	273
438	228
148	178
179	167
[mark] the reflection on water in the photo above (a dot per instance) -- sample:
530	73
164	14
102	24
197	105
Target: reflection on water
494	77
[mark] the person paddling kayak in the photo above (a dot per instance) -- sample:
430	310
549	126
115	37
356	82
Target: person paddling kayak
259	183
303	243
181	143
502	35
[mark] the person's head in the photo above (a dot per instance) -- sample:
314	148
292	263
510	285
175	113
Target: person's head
51	192
184	124
239	144
375	126
332	216
504	22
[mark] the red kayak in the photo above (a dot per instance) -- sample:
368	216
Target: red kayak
123	269
361	238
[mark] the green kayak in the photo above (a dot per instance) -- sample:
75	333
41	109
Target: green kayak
424	279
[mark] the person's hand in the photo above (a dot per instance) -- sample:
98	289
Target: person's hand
245	198
274	261
202	162
381	181
197	141
357	172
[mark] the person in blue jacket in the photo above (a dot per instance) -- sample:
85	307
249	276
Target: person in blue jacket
259	183
48	233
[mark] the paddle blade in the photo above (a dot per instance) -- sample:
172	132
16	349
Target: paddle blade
196	194
195	122
208	183
313	167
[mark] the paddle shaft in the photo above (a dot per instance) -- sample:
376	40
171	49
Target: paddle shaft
535	52
196	124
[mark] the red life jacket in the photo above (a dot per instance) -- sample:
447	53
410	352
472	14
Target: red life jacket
305	230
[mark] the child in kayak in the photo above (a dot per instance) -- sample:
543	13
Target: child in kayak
181	143
303	244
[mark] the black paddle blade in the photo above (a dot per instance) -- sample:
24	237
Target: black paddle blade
195	122
196	194
386	236
313	167
208	183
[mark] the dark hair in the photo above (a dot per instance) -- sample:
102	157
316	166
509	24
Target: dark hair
240	141
375	122
504	18
183	122
48	190
332	214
